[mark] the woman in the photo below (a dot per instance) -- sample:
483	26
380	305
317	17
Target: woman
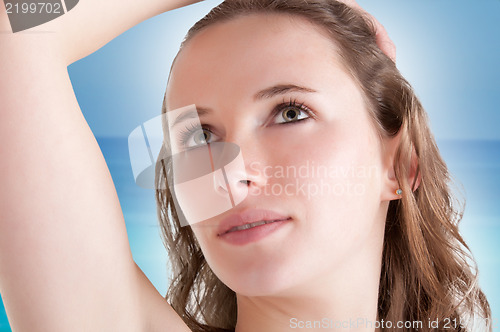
295	82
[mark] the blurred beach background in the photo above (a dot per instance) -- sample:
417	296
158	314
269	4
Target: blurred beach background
448	50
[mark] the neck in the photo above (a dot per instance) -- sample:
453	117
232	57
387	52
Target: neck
345	299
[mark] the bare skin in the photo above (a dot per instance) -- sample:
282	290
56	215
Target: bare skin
65	260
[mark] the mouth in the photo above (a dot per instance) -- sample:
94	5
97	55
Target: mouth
251	225
249	219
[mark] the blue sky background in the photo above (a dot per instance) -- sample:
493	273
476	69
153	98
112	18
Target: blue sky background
448	50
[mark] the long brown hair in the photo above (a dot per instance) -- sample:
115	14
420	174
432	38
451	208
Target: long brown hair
427	270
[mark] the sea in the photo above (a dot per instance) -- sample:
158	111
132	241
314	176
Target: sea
474	164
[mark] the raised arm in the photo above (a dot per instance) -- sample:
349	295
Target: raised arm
65	260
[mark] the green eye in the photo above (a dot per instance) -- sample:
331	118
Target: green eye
195	135
202	137
290	114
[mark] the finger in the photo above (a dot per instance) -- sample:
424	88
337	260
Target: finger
384	41
351	3
382	37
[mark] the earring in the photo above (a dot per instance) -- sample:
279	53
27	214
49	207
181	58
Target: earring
399	192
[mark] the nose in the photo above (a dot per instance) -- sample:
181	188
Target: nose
236	176
254	177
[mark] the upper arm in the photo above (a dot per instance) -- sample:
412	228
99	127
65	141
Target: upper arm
64	254
65	260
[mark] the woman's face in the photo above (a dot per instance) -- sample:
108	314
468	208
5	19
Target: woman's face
275	86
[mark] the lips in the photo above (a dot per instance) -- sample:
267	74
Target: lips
248	219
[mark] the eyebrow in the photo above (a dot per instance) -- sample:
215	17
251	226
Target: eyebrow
191	114
280	90
270	92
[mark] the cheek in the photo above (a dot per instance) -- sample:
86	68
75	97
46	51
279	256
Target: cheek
207	244
338	182
333	160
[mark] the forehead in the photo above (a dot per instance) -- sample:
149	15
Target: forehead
231	59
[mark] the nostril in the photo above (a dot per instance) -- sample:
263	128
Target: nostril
246	182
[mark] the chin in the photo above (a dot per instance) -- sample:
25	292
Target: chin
259	285
258	277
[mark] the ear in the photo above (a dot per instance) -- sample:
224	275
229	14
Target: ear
390	183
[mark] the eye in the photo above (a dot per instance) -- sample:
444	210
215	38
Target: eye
291	112
194	135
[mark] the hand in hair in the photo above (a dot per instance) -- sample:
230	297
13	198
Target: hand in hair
383	40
